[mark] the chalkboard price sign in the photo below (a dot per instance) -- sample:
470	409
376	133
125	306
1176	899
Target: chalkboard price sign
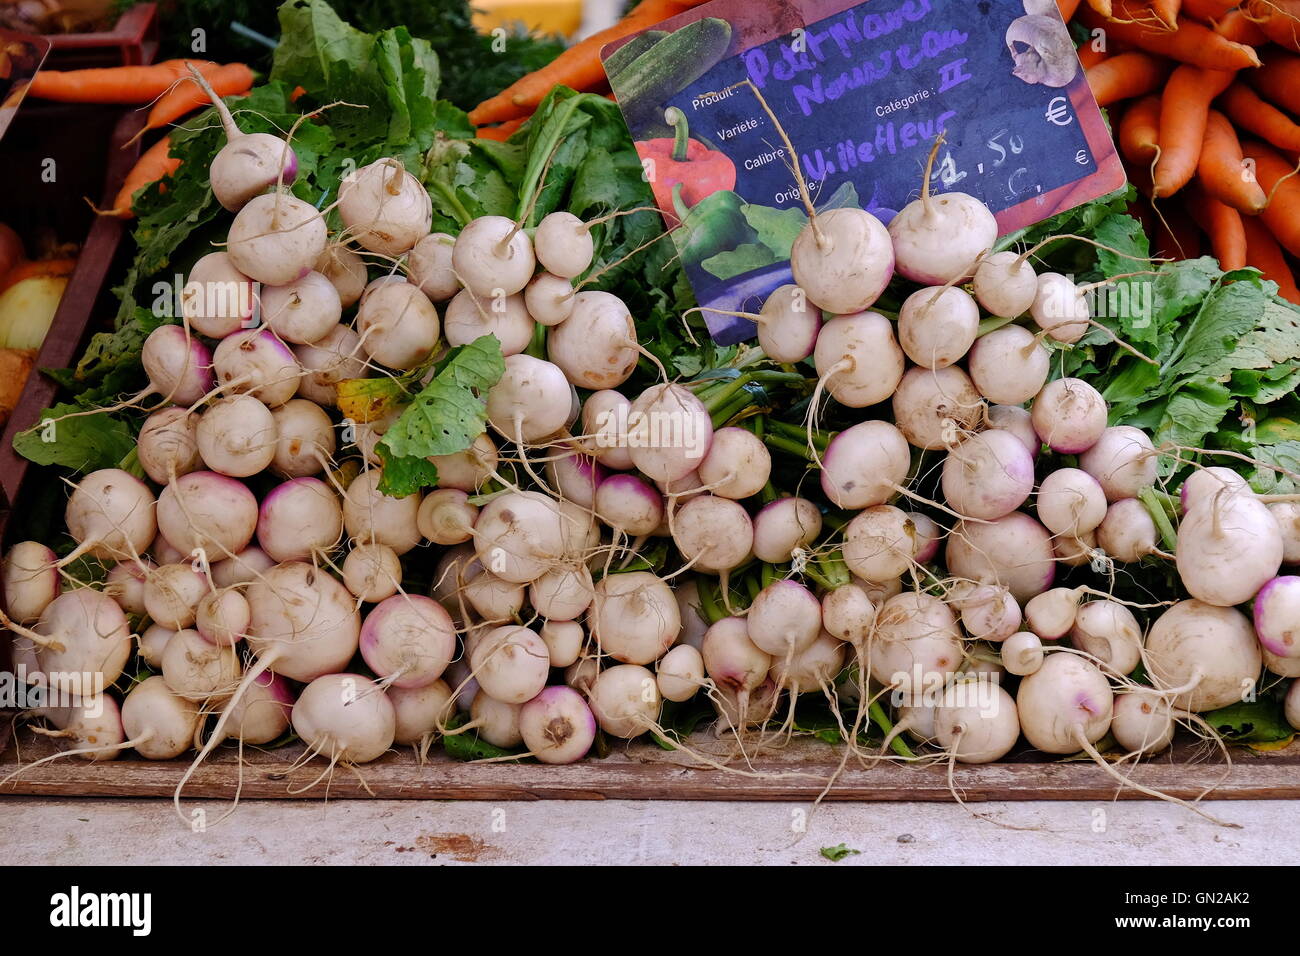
861	92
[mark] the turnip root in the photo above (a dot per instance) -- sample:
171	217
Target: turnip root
1074	551
785	618
384	208
694	623
179	366
581	674
1229	547
304	441
241	568
596	346
276	237
346	271
1070	502
168	444
564	245
929	537
164	552
563	640
865	464
494	721
419	711
1123	461
236	436
1051	614
334	357
813	668
217	299
370	516
788	325
372	572
492	253
549	299
92	725
843	259
1128	532
1205	483
196	669
713	534
82	638
880	543
428	265
575	477
557	726
408	639
976	721
858	360
152	643
1015	551
1059	309
222	616
302	311
299	519
467	470
345	716
1277	616
494	600
446	517
398	324
1005	284
731	659
938	240
1018	421
784	526
1008	365
1022	653
159	724
1209	655
1064	703
625	700
530	401
740	710
934	408
511	664
256	362
519	536
849	614
29	581
989	475
1108	631
303	623
680	673
630	504
1292	706
562	594
989	613
633	617
469	317
172	594
1069	415
124	584
111	515
937	326
1287	516
1143	722
738	464
917	642
669	432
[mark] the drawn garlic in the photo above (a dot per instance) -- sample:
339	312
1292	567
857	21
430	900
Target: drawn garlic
1042	51
1044	8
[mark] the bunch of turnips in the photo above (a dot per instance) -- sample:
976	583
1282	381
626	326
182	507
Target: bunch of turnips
593	557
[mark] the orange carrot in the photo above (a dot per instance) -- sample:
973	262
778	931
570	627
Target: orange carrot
1166	12
1263	253
578	67
1184	106
1279	19
1191	42
1067	8
298	93
152	166
39	267
1222	170
1222	224
1278	80
1090	57
1252	114
1126	75
116	84
1236	26
1103	7
185	97
1275	175
502	132
1139	131
1207	11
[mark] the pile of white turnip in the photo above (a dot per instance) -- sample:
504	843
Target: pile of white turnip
262	577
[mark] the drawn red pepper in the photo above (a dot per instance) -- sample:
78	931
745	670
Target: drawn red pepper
700	171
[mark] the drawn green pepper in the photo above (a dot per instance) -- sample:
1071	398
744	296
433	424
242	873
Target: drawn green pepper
715	224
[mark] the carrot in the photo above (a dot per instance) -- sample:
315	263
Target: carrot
39	267
578	67
1090	56
185	97
1191	42
1222	170
1103	7
1166	12
1247	110
1176	235
1278	80
1282	214
1067	8
1139	131
1236	26
1184	106
1207	11
1126	75
1263	253
1279	19
502	132
115	84
1222	224
152	166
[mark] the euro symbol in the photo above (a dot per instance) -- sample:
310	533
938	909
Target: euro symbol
1058	112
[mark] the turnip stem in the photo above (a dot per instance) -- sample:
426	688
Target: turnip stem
881	720
992	324
1156	508
929	169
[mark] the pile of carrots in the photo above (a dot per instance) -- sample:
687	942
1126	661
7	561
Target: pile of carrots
1203	97
165	87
